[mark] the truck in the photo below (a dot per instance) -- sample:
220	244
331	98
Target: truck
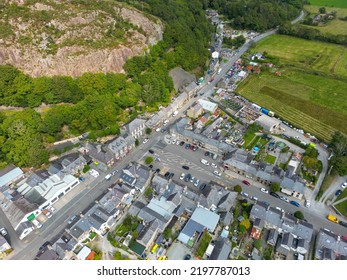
333	218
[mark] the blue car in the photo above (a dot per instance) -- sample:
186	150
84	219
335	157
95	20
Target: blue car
293	202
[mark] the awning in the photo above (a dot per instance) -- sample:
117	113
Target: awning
31	217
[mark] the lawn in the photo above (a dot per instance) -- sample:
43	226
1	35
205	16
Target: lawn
329	3
314	103
342	207
270	159
204	242
335	26
311	55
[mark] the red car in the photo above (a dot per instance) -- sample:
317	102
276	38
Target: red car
246	182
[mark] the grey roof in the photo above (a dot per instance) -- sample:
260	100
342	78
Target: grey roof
147	233
117	145
179	127
149	215
159	183
47	255
128	177
9	174
37	177
330	246
63	244
272	237
288	223
273	217
258	211
190	87
142	175
284	244
206	218
135	208
186	205
135	124
221	250
303	230
226	217
100	153
78	229
129	139
189	229
287	183
258	223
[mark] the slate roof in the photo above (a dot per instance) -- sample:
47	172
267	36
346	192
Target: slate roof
37	177
221	250
146	235
100	153
135	124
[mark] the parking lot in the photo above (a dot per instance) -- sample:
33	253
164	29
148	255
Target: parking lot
178	251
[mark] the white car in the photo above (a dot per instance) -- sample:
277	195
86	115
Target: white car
94	173
280	209
3	231
173	141
254	198
196	183
182	176
51	208
344	185
217	173
284	199
145	141
166	122
214	165
244	194
158	129
264	190
307	203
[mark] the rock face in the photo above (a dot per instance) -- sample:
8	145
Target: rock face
60	38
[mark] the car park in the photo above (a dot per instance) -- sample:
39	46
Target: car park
3	232
246	182
217	173
185	167
182	176
293	202
284	199
274	194
264	190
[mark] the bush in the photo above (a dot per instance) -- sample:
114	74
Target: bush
238	189
86	168
148	130
299	215
149	160
275	187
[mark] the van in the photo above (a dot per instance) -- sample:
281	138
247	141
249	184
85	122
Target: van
333	219
205	162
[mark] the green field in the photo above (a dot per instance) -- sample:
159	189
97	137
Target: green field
335	26
330	3
314	103
270	159
317	56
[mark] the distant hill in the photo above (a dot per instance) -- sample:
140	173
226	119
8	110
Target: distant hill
55	37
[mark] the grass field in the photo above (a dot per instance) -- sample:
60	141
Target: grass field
335	26
329	3
270	159
342	207
317	56
314	103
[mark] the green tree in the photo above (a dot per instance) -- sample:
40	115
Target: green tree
149	160
137	142
148	130
275	187
299	215
246	223
238	189
322	10
148	192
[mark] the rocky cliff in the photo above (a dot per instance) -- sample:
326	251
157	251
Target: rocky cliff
56	37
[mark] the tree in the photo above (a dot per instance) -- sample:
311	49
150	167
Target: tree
149	160
238	189
299	215
148	130
322	10
245	223
275	187
137	142
148	192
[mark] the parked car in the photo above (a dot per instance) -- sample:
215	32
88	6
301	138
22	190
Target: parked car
254	198
217	173
246	182
264	190
187	257
293	202
145	141
206	154
342	223
344	185
167	175
3	232
214	165
196	183
274	194
182	143
171	175
202	186
307	203
182	176
192	179
284	199
187	146
94	173
114	172
187	177
151	151
338	192
279	209
244	194
185	167
157	170
72	219
151	166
